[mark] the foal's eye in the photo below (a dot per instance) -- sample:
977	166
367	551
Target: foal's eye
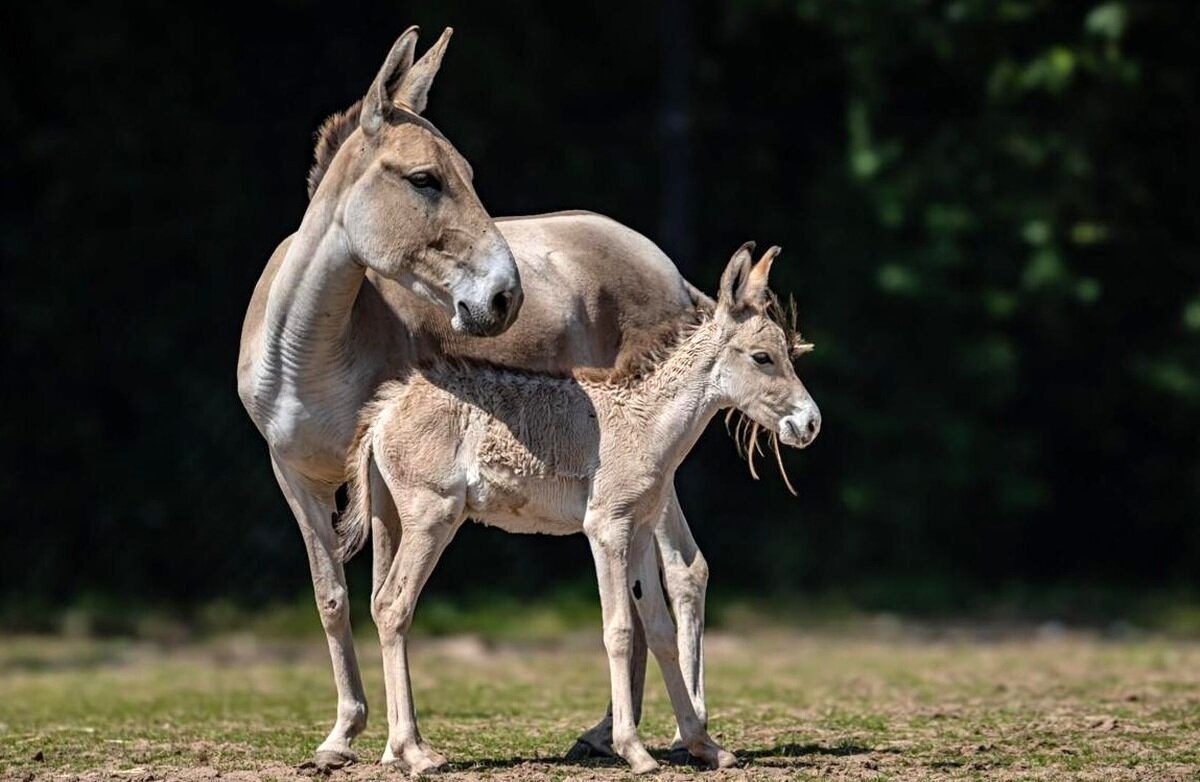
761	358
423	180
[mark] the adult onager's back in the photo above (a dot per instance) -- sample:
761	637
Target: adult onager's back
590	452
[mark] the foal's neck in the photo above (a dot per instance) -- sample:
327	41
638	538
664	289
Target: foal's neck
680	395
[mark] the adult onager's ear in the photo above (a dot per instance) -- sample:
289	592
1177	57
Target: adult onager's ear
755	293
414	90
733	279
378	101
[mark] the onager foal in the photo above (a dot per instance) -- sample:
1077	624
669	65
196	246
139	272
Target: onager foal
592	453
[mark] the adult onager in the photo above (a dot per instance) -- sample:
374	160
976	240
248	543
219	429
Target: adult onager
395	261
590	453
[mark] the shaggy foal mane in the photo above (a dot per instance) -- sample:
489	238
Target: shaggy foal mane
642	352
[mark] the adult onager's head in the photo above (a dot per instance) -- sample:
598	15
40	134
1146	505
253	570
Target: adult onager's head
405	199
754	371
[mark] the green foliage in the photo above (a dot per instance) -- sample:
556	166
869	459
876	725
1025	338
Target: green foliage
989	223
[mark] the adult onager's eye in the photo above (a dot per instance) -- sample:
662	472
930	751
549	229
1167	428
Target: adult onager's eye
761	358
423	180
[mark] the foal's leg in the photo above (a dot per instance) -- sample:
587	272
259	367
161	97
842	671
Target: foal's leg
686	575
313	507
597	740
609	539
660	635
428	523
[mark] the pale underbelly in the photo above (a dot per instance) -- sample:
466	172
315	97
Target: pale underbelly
526	505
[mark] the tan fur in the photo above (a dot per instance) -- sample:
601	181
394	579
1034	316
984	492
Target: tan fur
534	452
368	287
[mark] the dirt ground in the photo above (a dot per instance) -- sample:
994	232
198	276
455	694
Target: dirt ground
1044	705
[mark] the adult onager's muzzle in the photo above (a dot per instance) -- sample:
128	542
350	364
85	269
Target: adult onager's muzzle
799	429
487	306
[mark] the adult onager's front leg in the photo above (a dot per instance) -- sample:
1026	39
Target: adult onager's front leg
313	505
409	541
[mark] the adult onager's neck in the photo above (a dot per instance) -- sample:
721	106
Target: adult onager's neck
308	314
309	370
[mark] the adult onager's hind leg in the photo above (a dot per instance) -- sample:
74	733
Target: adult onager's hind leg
410	537
660	636
313	507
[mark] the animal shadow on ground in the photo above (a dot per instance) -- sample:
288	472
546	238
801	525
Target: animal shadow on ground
678	757
797	750
781	752
786	755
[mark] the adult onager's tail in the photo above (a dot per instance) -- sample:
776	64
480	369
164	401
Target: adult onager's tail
354	524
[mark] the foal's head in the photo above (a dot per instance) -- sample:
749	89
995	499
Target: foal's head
754	371
406	200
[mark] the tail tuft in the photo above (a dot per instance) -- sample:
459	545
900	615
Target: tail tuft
354	524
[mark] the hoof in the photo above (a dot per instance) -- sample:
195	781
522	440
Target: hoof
327	760
582	750
646	765
726	759
415	759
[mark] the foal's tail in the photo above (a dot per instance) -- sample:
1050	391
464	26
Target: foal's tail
354	524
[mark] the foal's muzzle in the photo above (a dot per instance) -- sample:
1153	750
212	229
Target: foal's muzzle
799	429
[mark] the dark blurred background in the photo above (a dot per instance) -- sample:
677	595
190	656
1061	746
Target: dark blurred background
989	212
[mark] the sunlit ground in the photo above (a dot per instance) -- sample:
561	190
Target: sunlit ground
902	705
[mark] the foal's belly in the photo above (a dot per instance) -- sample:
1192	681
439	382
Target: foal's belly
527	505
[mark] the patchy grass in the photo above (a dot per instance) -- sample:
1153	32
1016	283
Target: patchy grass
791	706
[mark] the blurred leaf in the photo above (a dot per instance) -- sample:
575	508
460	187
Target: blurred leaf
897	279
1107	20
1088	233
1191	314
1036	232
1087	290
1045	269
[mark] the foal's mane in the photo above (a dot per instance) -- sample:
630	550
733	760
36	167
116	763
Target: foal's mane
643	351
639	355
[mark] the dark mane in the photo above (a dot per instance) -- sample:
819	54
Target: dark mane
339	126
330	136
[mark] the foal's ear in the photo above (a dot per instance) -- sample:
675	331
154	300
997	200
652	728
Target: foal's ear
734	278
379	97
756	293
414	90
